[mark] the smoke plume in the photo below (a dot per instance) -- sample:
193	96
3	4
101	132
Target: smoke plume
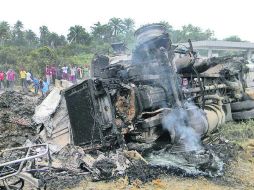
178	125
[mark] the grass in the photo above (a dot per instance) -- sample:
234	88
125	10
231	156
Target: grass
238	132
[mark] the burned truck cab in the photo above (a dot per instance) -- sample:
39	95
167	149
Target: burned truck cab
129	96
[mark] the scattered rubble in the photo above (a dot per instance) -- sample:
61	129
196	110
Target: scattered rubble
62	179
16	124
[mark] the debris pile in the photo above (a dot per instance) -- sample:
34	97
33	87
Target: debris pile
72	164
16	111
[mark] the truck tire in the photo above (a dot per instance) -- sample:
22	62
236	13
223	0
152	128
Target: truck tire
243	105
243	115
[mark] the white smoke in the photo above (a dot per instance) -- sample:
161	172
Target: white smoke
178	125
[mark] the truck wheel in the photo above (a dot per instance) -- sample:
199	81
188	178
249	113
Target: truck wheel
243	105
243	115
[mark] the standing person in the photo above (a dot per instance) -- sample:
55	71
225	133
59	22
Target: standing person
59	73
81	72
23	78
73	74
7	79
10	76
29	78
32	76
36	83
1	80
69	73
65	72
53	73
48	74
86	72
41	86
45	88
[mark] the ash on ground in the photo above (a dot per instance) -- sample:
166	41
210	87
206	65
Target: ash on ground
210	162
62	179
16	126
96	166
193	163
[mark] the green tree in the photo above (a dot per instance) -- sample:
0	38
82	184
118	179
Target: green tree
77	34
101	32
39	58
18	34
31	37
233	38
8	55
62	40
4	32
191	32
129	28
55	40
117	27
44	35
128	25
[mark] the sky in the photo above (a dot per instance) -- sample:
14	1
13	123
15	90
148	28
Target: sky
224	17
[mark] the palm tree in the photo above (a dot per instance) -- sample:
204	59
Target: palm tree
101	32
30	37
77	34
44	34
117	26
18	34
18	25
129	25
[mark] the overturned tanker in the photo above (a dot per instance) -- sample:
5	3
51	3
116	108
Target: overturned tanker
160	93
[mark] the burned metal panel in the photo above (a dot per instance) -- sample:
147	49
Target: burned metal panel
152	97
81	112
99	62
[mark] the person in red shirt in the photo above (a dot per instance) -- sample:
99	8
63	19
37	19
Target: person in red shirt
11	76
1	80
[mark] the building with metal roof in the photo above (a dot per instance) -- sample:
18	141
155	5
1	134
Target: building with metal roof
210	45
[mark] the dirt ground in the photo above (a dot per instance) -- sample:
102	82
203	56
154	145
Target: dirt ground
239	173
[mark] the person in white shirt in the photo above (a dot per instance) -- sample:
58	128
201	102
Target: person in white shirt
28	78
65	72
73	74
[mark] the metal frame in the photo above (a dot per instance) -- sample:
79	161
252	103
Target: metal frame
21	172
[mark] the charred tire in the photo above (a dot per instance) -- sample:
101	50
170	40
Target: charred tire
243	115
241	106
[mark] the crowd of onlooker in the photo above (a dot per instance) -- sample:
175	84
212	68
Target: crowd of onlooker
71	73
29	81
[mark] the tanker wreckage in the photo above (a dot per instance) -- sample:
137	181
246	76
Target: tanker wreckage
151	95
160	101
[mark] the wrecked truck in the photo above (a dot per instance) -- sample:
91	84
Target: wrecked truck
160	93
160	100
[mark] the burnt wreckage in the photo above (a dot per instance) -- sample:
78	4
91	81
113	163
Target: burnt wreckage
160	92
